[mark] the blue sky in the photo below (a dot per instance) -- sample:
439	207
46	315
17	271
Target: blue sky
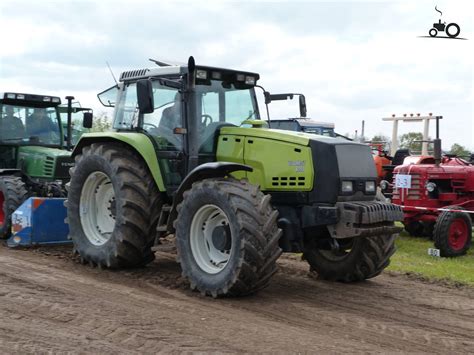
353	60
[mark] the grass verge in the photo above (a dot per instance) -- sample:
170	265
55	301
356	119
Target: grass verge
412	257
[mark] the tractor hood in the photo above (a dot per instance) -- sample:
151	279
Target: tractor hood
321	163
44	162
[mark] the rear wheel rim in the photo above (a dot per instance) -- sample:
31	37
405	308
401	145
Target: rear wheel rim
210	239
97	208
2	212
458	234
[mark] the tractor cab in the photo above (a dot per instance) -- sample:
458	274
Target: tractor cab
182	117
30	120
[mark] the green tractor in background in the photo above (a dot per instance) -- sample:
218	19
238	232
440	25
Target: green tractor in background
190	156
35	150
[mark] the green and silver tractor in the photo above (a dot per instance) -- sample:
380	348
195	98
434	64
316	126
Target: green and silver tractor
35	151
190	156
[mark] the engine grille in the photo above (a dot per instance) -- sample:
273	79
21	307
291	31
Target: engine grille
413	193
48	166
288	181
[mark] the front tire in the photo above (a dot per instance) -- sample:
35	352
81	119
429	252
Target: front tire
12	194
227	237
433	32
453	233
356	259
113	205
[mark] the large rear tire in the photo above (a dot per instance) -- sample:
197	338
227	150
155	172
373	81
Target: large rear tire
12	194
456	32
113	205
356	259
453	233
227	237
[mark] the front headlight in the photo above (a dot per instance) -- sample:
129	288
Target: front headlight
201	74
346	186
384	184
430	186
370	186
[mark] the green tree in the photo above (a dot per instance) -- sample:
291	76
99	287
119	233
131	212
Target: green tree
459	150
412	141
101	123
380	138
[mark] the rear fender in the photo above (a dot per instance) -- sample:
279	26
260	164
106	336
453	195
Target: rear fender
138	142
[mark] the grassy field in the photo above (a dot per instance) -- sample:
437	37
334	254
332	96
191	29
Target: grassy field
412	257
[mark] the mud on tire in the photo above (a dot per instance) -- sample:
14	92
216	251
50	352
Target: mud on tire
243	227
134	205
363	258
12	194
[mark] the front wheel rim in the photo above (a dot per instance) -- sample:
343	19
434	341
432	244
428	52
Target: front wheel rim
457	234
97	208
210	239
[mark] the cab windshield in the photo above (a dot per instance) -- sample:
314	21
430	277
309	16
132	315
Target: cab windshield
25	125
218	104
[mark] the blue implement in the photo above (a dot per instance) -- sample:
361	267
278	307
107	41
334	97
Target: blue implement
39	221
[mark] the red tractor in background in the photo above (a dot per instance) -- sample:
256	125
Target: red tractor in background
437	197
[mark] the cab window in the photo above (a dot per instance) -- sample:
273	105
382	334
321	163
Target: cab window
127	110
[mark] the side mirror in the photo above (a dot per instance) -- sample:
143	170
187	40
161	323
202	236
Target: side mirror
145	96
87	120
302	106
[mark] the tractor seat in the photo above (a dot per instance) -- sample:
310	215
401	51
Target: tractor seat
399	156
209	136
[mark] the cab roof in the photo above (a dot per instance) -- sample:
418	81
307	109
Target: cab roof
176	70
33	100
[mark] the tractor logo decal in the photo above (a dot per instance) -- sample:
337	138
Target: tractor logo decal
298	164
452	30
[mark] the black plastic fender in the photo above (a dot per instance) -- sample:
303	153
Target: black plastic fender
203	171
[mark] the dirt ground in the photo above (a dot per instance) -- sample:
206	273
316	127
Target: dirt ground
49	302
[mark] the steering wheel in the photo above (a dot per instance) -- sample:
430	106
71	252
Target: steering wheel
204	118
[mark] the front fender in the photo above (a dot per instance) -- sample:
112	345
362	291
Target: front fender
139	142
